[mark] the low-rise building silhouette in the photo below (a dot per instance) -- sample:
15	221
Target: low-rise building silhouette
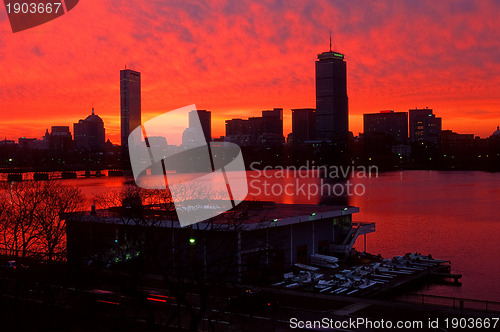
252	239
266	130
425	127
389	122
89	134
303	125
60	140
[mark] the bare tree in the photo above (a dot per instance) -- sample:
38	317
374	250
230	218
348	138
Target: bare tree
21	201
4	226
57	201
32	217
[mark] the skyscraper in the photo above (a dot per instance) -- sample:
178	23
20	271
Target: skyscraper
332	112
205	121
303	125
130	105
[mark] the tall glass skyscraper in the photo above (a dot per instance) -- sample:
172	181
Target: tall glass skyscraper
332	113
130	105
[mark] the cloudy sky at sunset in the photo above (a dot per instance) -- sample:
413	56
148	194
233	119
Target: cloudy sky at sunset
237	58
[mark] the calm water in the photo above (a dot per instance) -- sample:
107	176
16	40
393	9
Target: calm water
452	215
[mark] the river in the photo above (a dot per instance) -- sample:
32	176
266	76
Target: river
451	215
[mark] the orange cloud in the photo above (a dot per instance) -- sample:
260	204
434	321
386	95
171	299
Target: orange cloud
237	58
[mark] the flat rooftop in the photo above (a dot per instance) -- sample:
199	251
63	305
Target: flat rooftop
248	213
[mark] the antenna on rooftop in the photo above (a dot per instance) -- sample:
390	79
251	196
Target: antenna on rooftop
330	40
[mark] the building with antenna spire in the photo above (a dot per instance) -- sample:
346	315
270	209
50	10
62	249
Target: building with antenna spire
332	111
330	41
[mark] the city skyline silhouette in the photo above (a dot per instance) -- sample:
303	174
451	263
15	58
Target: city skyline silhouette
444	58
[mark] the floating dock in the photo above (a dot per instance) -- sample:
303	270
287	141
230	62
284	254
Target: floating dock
372	279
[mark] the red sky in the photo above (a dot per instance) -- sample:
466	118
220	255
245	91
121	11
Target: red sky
237	58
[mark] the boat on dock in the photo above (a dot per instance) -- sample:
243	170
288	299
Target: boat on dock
369	280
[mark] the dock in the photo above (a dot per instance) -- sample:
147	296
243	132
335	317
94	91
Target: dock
428	275
447	275
371	280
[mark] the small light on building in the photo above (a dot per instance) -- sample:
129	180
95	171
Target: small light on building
192	240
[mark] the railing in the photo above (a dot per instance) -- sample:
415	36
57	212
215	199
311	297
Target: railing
350	235
451	302
365	227
358	228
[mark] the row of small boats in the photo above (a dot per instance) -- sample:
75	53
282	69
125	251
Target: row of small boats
354	280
